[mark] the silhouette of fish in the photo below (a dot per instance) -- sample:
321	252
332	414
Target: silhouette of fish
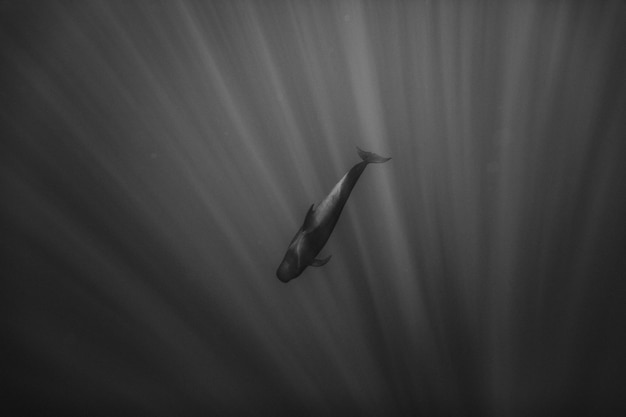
320	222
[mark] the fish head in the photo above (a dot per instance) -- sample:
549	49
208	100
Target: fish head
297	258
289	268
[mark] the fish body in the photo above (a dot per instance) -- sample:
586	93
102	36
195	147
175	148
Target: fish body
320	222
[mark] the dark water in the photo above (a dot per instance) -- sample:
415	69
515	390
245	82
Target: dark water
157	158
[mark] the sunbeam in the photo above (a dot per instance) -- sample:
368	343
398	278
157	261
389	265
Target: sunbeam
157	157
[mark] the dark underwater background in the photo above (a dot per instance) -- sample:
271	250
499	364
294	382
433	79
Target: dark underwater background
157	158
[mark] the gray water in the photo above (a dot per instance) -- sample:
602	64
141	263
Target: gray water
158	157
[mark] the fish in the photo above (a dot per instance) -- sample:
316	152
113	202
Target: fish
319	222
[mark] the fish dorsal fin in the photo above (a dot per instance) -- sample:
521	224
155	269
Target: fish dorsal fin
320	262
308	220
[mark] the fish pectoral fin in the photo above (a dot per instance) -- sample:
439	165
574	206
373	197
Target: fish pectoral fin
320	262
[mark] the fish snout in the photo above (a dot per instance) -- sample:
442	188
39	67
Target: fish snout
286	272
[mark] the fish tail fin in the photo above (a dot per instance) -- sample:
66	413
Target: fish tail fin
371	157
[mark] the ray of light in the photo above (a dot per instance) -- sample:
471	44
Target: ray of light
156	158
